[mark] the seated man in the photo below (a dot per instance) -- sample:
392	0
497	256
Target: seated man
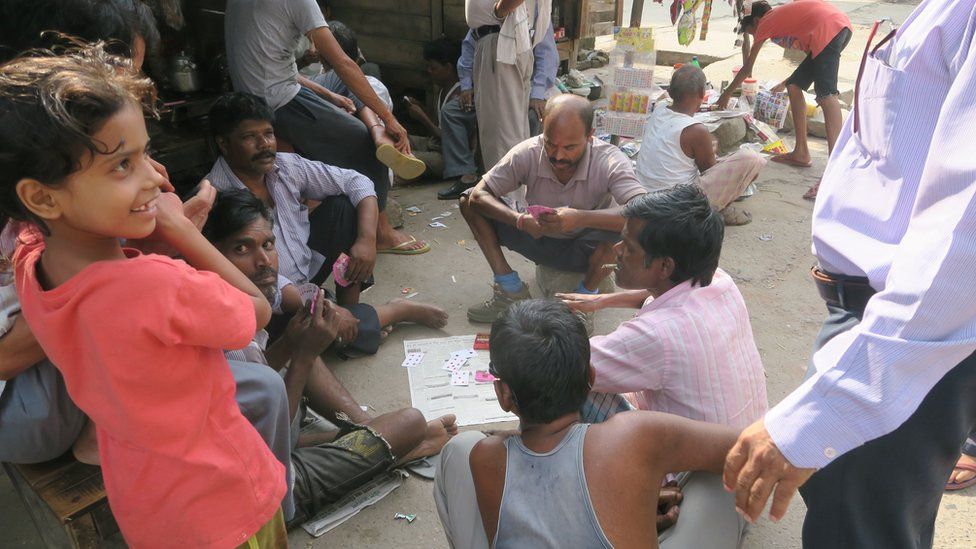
327	465
565	169
559	482
689	351
447	151
310	243
405	166
678	149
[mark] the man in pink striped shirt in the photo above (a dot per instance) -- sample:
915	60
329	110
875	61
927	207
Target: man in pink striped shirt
689	351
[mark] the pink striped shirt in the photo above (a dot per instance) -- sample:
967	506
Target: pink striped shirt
690	353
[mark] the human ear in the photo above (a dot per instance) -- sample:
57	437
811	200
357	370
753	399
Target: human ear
667	268
221	142
504	394
39	199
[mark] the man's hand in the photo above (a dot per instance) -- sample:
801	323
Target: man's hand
342	102
583	303
348	328
754	467
417	112
779	88
362	259
466	98
197	208
723	101
319	328
397	133
539	106
531	226
562	221
668	501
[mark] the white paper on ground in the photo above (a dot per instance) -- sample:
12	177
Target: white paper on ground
354	502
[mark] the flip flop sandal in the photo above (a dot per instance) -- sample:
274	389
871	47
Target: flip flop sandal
424	467
783	159
811	193
401	248
404	166
953	486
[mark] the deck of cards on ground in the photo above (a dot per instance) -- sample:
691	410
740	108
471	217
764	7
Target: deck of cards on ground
442	380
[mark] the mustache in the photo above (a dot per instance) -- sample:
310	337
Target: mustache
263	155
555	162
264	272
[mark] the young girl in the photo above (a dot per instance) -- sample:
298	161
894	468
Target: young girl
138	338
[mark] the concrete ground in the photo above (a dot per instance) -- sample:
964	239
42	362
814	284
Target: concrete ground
769	258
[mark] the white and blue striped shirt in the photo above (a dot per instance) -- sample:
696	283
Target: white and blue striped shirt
897	205
293	180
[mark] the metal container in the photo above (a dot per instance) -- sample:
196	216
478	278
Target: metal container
183	75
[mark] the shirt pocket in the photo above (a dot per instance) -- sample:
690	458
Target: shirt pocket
876	104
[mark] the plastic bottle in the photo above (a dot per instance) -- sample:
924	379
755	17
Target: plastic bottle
694	61
750	88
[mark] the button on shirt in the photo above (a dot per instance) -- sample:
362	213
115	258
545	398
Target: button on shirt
897	205
603	172
690	352
293	180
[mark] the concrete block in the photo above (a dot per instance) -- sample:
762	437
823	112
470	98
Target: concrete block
394	213
816	126
730	133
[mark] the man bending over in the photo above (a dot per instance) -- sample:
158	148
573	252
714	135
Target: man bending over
559	482
575	176
678	149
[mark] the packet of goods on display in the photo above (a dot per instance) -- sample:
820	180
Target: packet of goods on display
629	102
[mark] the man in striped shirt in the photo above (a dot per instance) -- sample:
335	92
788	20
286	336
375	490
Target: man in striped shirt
689	351
308	243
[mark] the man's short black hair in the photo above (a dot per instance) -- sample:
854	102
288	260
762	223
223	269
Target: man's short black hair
30	24
541	351
233	108
232	211
759	9
682	225
443	50
346	38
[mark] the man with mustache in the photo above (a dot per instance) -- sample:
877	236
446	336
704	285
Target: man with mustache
572	173
309	242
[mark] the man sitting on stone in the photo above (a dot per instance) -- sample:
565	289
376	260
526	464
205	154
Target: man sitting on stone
310	243
559	482
327	465
689	351
572	173
678	149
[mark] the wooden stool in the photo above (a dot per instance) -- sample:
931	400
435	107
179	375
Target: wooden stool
66	500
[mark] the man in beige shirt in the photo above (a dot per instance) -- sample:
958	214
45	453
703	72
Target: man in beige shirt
583	181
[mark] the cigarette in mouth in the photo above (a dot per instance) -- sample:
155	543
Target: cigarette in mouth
609	265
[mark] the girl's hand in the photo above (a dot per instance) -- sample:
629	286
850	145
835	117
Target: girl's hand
171	224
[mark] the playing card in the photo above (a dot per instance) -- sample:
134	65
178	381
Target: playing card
536	211
461	378
339	270
308	292
454	363
413	359
464	353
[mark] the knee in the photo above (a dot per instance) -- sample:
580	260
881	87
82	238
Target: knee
261	392
464	203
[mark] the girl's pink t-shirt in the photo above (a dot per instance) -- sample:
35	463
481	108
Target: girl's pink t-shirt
807	25
140	344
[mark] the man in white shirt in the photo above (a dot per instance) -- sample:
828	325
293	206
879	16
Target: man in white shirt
678	149
874	432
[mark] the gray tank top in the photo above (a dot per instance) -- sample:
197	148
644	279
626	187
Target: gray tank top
546	502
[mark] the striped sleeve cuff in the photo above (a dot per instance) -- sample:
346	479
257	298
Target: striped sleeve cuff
359	187
807	430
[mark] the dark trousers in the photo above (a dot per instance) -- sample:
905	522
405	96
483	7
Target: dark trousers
318	130
333	226
886	493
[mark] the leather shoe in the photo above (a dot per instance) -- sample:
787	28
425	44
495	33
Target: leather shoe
454	191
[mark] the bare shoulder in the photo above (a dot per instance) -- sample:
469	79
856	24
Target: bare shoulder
487	451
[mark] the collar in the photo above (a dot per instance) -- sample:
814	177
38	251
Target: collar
228	172
582	169
681	290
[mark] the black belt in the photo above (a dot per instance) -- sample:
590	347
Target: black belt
485	30
847	292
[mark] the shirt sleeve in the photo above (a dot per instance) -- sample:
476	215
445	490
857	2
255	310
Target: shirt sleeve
870	379
546	64
206	311
505	177
628	359
623	182
319	181
305	15
465	64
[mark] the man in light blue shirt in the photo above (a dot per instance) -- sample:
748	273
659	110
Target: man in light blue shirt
874	432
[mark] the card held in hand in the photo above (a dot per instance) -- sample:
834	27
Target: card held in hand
339	270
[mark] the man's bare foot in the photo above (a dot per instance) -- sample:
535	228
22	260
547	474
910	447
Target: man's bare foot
960	475
85	449
390	240
801	160
439	431
429	315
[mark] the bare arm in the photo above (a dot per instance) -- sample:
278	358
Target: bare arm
587	303
491	206
340	101
696	143
744	73
566	220
18	350
352	76
672	443
505	7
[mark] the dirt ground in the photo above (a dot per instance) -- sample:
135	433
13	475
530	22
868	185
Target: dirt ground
770	260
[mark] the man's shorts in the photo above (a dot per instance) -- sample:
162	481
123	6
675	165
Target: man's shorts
821	71
564	254
327	472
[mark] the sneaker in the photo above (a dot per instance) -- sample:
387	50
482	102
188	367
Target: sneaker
489	311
